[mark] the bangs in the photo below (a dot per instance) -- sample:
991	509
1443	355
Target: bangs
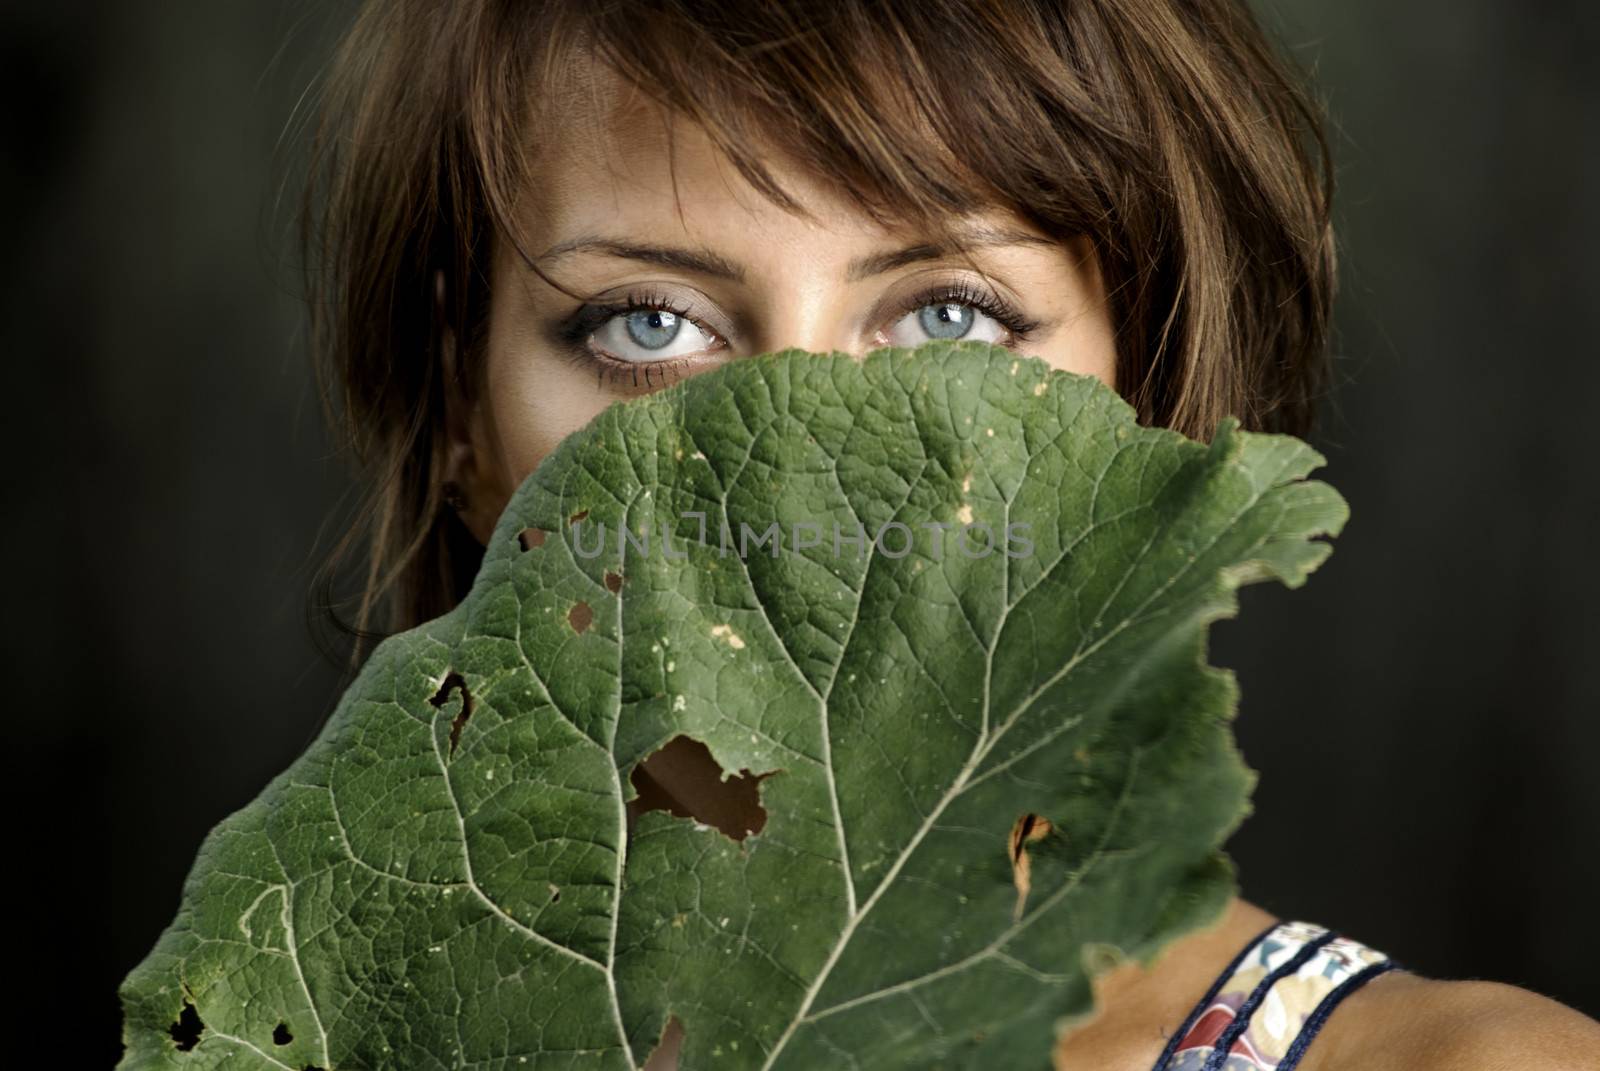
917	114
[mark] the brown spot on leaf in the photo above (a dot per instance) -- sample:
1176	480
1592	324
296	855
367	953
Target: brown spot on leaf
664	1057
187	1030
529	538
454	682
580	617
578	516
613	582
683	779
1027	829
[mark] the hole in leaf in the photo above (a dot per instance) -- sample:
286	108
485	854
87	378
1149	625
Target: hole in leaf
453	681
578	516
580	617
1024	831
683	779
664	1057
529	538
555	894
281	1035
613	582
187	1030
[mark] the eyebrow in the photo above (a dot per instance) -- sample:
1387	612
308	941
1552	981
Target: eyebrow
703	261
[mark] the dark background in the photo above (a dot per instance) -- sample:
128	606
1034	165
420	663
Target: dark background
1423	714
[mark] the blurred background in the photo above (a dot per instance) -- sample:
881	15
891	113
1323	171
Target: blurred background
1424	715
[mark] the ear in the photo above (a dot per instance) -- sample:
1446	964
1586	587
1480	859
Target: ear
470	463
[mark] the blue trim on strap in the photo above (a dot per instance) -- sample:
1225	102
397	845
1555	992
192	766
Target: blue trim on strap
1211	995
1313	1023
1241	1021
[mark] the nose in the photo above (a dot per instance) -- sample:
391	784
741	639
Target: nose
811	318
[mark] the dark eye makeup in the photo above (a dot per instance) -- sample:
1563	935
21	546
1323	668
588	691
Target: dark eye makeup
574	331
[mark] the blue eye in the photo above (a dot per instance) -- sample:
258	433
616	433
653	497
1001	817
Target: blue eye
653	328
641	330
958	313
948	320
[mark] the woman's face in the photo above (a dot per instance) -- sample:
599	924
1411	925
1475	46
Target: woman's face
687	267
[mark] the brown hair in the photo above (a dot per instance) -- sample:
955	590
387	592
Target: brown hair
1165	131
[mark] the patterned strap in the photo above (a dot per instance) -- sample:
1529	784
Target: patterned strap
1271	1000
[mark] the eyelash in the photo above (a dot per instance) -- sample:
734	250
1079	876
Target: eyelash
574	332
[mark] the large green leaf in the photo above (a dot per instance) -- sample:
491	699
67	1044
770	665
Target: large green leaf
446	878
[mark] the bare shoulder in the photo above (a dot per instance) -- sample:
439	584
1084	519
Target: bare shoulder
1400	1020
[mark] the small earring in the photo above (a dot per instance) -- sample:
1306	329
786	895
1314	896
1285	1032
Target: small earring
453	496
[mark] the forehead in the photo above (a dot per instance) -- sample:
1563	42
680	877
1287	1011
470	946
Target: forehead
607	157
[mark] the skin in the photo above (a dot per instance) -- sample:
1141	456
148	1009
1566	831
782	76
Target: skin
605	171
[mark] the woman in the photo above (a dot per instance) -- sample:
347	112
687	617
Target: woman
531	211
